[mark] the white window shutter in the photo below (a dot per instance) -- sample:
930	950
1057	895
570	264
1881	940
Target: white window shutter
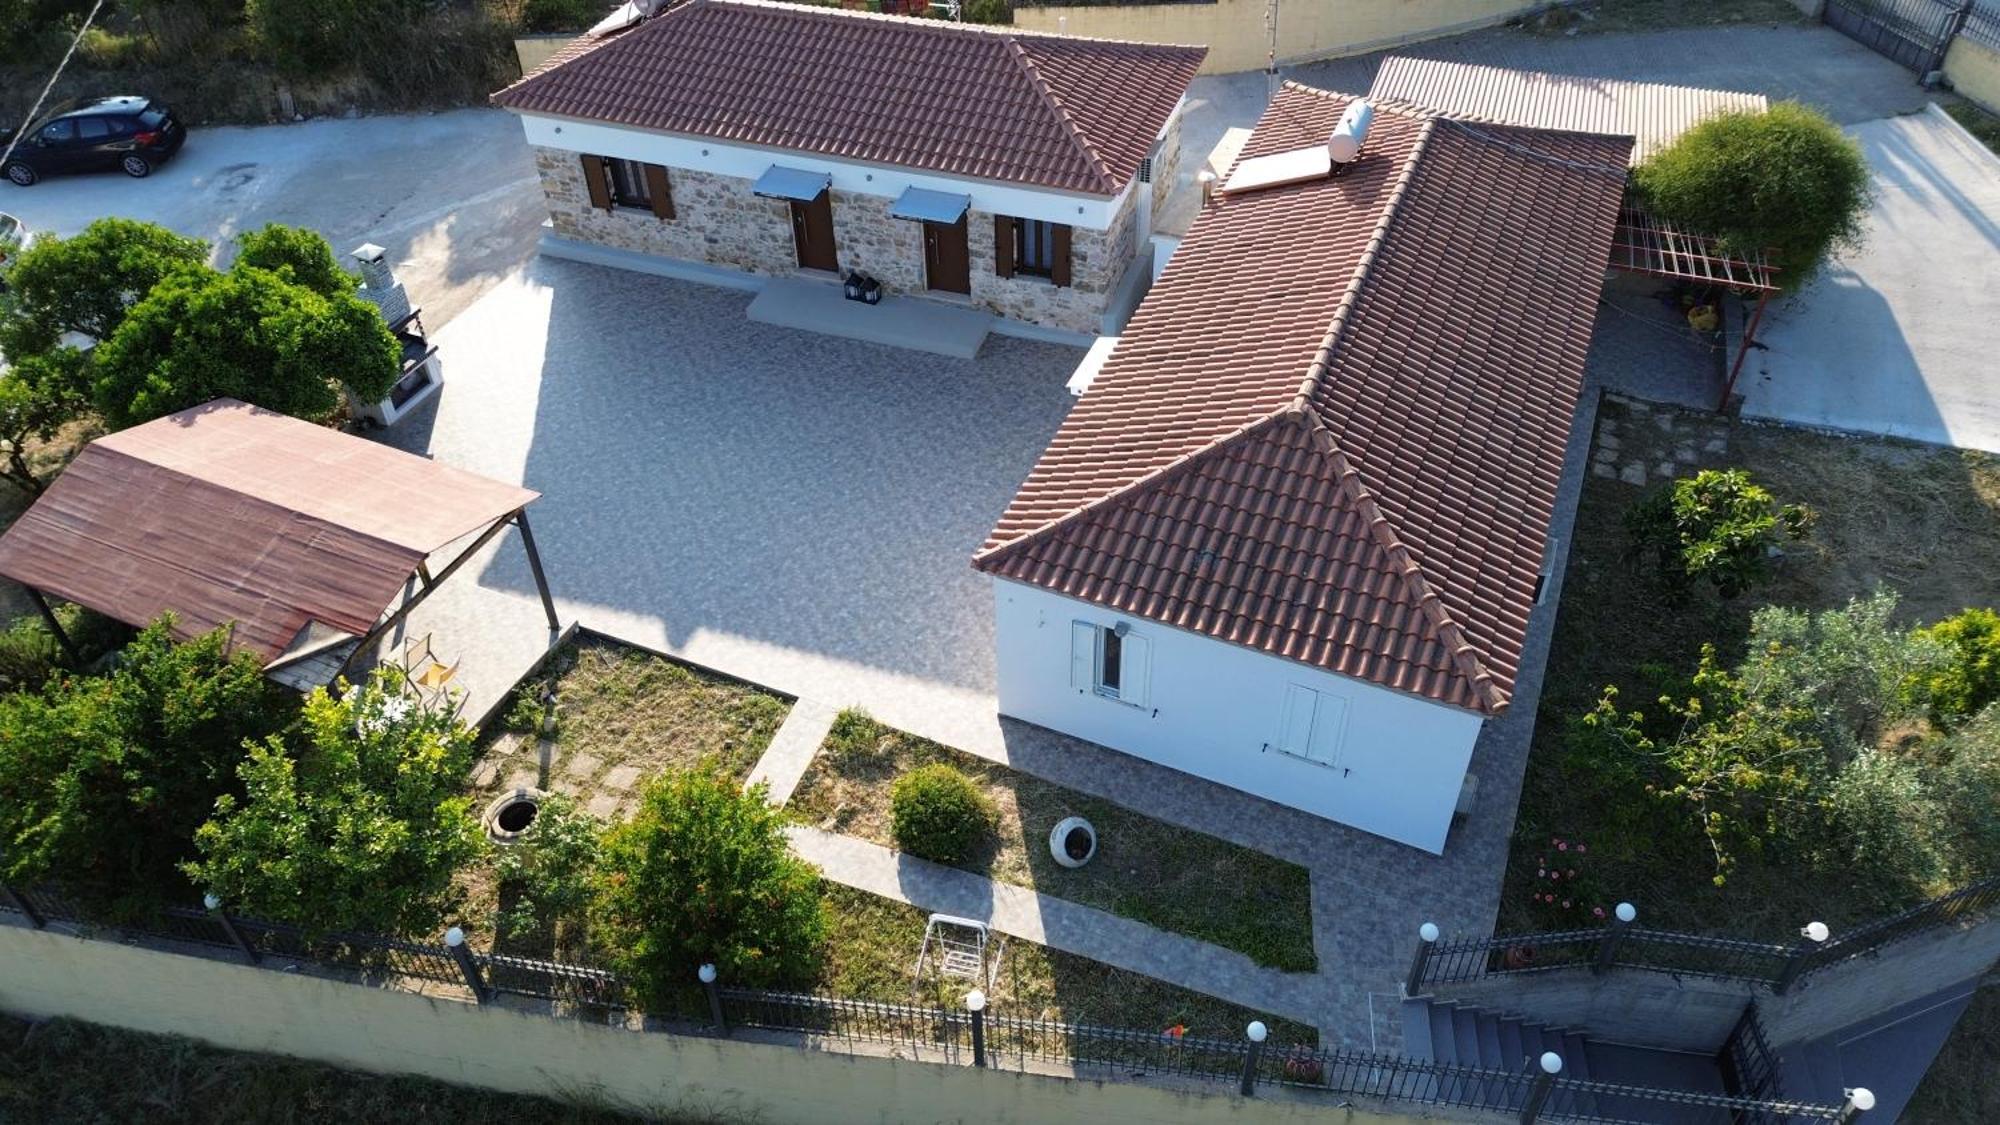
1082	655
1135	672
1329	724
1295	726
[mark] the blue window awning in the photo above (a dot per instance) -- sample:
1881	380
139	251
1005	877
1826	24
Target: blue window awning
930	206
780	182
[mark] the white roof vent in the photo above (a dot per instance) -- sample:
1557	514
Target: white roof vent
1352	132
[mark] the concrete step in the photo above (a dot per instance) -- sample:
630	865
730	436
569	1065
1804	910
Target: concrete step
1465	1035
1416	1018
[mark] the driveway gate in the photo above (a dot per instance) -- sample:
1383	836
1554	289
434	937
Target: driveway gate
1912	32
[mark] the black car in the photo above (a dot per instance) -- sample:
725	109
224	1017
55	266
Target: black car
134	135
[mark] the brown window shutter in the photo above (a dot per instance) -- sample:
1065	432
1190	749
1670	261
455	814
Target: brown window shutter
659	191
597	181
1059	268
1003	245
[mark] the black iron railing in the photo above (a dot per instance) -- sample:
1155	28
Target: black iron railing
940	1034
1772	964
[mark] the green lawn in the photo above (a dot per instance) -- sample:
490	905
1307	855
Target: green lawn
1158	873
872	955
1921	519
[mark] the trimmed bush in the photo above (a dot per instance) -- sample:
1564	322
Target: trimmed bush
937	813
701	874
1786	179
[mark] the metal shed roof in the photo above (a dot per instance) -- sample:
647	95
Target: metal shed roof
1654	114
227	513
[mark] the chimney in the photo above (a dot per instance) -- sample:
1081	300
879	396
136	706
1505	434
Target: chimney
378	283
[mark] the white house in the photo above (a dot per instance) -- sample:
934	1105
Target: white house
1290	537
975	166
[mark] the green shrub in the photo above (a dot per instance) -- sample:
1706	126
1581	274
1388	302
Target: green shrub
307	38
545	878
30	653
559	15
856	736
104	779
1786	179
1969	679
987	11
1717	526
701	874
355	823
938	814
300	256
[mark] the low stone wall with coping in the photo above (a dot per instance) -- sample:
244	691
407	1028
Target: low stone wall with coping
718	220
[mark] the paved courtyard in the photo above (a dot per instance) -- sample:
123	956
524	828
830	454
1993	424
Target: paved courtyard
1900	336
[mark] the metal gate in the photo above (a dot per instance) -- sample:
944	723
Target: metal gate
1912	32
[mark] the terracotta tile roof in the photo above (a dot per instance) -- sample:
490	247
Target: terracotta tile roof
1334	429
230	514
989	103
1654	114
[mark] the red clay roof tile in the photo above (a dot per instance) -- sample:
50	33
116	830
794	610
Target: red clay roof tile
1068	113
1334	429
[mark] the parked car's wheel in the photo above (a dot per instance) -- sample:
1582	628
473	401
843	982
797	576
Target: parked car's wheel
136	166
21	174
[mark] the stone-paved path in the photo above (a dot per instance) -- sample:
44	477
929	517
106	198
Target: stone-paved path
1060	924
792	749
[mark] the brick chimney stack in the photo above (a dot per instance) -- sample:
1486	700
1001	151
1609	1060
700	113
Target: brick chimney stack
378	283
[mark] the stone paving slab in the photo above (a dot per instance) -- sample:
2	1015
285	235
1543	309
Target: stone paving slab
1061	924
791	751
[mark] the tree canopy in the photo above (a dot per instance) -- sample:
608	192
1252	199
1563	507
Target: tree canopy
1786	179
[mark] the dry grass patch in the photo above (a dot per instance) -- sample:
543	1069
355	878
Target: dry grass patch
872	955
622	715
1661	15
1962	1083
1161	874
1921	519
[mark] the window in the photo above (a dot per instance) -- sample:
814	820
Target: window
58	132
1031	246
614	182
1312	725
1035	247
93	128
628	184
1111	661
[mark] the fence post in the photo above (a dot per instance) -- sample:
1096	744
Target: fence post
1859	1101
20	902
706	974
1427	936
1813	935
214	905
454	940
1257	1033
1622	918
975	1002
1545	1081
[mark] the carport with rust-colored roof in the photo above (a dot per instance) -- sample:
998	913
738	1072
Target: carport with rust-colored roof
307	543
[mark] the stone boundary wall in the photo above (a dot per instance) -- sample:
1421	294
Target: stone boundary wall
718	220
525	1050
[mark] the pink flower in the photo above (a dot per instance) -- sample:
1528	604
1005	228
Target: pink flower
1565	904
1541	871
1597	911
1579	849
1561	846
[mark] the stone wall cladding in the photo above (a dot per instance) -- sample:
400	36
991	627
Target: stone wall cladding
718	220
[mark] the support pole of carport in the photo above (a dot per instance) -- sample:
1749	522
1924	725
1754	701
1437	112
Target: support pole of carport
55	626
535	567
1743	350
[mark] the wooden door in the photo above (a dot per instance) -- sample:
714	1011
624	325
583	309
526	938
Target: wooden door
812	233
947	257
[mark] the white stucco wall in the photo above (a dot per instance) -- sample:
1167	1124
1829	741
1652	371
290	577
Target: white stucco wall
1214	709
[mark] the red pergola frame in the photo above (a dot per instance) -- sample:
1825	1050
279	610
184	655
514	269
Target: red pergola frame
1648	245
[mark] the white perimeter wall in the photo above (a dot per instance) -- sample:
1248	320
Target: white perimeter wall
1094	212
1214	709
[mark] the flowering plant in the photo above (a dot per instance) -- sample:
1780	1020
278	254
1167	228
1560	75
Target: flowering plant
1563	896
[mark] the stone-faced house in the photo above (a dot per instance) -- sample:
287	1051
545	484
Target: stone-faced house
1292	537
1012	172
